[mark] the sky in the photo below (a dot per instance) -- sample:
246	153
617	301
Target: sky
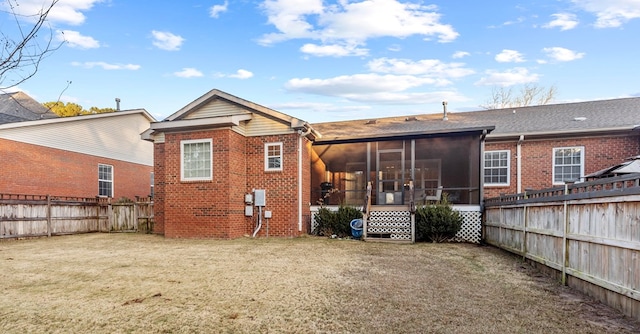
330	60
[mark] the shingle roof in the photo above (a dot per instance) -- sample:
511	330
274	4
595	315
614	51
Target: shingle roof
591	116
19	107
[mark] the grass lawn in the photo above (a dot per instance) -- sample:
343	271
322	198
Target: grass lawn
135	283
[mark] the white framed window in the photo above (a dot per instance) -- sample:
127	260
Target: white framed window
105	180
568	164
497	168
196	160
273	156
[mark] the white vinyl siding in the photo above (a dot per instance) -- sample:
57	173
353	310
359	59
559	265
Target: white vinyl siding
196	160
273	156
105	180
497	168
568	164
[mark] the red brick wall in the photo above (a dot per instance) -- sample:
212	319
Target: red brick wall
215	209
281	186
39	170
537	163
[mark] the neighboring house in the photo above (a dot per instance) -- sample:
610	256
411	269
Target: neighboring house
19	107
540	147
82	156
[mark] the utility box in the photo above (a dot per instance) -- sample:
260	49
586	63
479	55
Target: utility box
248	211
260	197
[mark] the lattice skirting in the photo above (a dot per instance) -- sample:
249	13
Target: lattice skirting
471	230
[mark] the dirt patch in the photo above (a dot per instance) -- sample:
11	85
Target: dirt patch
106	283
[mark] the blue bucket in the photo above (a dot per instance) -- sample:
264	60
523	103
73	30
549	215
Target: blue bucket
356	228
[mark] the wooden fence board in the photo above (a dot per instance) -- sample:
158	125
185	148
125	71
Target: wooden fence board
35	215
601	238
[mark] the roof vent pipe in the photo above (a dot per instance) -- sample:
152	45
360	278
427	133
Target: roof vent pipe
444	107
117	104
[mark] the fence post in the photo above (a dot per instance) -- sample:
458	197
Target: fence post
565	221
49	216
524	230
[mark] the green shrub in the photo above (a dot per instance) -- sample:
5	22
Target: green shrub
438	222
336	222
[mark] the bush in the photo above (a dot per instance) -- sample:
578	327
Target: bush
437	223
336	222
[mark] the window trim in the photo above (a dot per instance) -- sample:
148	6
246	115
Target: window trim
553	163
112	181
266	157
200	178
508	183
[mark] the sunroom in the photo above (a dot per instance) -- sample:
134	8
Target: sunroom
395	164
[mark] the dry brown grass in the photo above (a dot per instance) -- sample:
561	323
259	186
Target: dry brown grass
127	283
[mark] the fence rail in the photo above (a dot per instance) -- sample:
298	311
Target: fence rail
588	233
23	216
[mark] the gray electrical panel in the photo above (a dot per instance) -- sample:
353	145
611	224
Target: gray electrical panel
260	197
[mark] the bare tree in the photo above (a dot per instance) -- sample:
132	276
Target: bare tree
529	94
23	48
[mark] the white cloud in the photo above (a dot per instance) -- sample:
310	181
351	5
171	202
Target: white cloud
167	41
348	85
562	20
611	13
215	10
67	12
188	72
106	66
433	68
509	56
334	50
515	76
241	74
76	40
372	88
353	23
460	54
562	54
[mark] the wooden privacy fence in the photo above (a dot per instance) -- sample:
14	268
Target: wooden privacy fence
23	216
588	233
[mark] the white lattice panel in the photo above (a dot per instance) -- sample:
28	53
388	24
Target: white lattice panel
471	230
397	223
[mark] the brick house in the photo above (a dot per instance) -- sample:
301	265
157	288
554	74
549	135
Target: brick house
217	152
220	148
212	156
540	147
82	156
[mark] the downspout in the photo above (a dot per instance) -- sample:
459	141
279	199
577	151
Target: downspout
300	146
519	164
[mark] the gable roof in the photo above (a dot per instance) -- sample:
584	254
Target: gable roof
20	107
545	120
202	113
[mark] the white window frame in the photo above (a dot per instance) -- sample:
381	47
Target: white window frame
183	143
109	181
267	157
508	167
553	163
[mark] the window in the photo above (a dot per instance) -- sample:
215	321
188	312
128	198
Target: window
496	168
196	160
568	164
273	156
105	180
